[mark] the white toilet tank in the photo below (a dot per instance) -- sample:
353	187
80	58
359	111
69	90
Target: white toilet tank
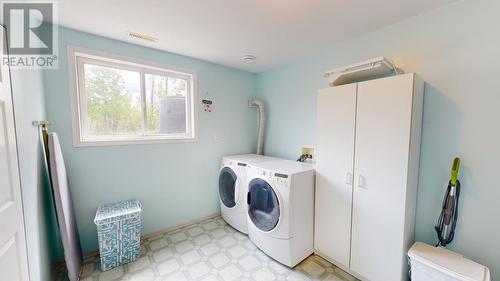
430	263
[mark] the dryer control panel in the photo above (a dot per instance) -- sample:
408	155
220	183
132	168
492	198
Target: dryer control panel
281	178
274	177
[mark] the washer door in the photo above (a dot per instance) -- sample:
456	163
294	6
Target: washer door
227	187
263	205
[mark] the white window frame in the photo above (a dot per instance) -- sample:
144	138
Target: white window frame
79	56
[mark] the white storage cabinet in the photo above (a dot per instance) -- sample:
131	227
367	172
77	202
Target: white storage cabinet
368	146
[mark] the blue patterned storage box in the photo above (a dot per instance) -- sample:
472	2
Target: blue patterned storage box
119	232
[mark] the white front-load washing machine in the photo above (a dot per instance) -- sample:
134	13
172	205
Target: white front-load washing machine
233	188
281	209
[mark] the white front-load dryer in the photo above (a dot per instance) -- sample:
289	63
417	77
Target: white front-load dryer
233	188
281	209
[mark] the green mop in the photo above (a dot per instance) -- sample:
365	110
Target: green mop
447	221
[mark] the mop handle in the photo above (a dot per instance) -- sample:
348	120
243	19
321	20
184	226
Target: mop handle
454	172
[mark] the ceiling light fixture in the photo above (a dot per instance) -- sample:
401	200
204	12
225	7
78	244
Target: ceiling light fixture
248	58
140	36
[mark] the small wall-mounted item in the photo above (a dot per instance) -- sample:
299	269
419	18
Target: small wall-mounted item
309	153
207	103
373	68
41	123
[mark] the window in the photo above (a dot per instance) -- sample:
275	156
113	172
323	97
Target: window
123	101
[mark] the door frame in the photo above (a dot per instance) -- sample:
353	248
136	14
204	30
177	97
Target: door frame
8	79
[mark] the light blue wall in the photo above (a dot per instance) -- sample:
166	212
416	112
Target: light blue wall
40	223
176	183
456	50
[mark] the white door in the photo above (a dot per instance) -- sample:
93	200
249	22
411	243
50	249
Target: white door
383	125
336	113
13	259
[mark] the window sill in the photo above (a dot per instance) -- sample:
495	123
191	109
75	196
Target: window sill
131	141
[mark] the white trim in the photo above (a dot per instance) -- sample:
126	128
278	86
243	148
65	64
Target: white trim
179	226
78	56
143	100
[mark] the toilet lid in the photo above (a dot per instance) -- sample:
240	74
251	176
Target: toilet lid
449	263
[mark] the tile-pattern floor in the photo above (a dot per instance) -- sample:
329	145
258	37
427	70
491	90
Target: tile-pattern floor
209	251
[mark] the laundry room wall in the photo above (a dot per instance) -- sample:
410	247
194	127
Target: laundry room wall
455	49
175	182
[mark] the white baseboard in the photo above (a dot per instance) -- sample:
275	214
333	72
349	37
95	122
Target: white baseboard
172	228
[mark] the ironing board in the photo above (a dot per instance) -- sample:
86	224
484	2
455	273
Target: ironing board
64	209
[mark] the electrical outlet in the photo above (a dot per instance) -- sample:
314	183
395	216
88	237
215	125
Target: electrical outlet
310	151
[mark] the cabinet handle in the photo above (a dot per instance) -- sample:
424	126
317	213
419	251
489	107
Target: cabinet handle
361	181
348	178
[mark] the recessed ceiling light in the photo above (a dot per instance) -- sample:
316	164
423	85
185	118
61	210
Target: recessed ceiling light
248	58
140	36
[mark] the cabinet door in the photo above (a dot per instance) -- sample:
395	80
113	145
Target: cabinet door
383	123
336	111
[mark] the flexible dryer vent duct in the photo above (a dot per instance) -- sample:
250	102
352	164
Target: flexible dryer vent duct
253	102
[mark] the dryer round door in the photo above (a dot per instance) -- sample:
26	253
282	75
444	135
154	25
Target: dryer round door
227	187
263	205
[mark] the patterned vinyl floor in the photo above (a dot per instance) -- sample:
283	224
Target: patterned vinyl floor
208	251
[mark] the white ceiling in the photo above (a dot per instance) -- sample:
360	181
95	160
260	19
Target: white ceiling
222	31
